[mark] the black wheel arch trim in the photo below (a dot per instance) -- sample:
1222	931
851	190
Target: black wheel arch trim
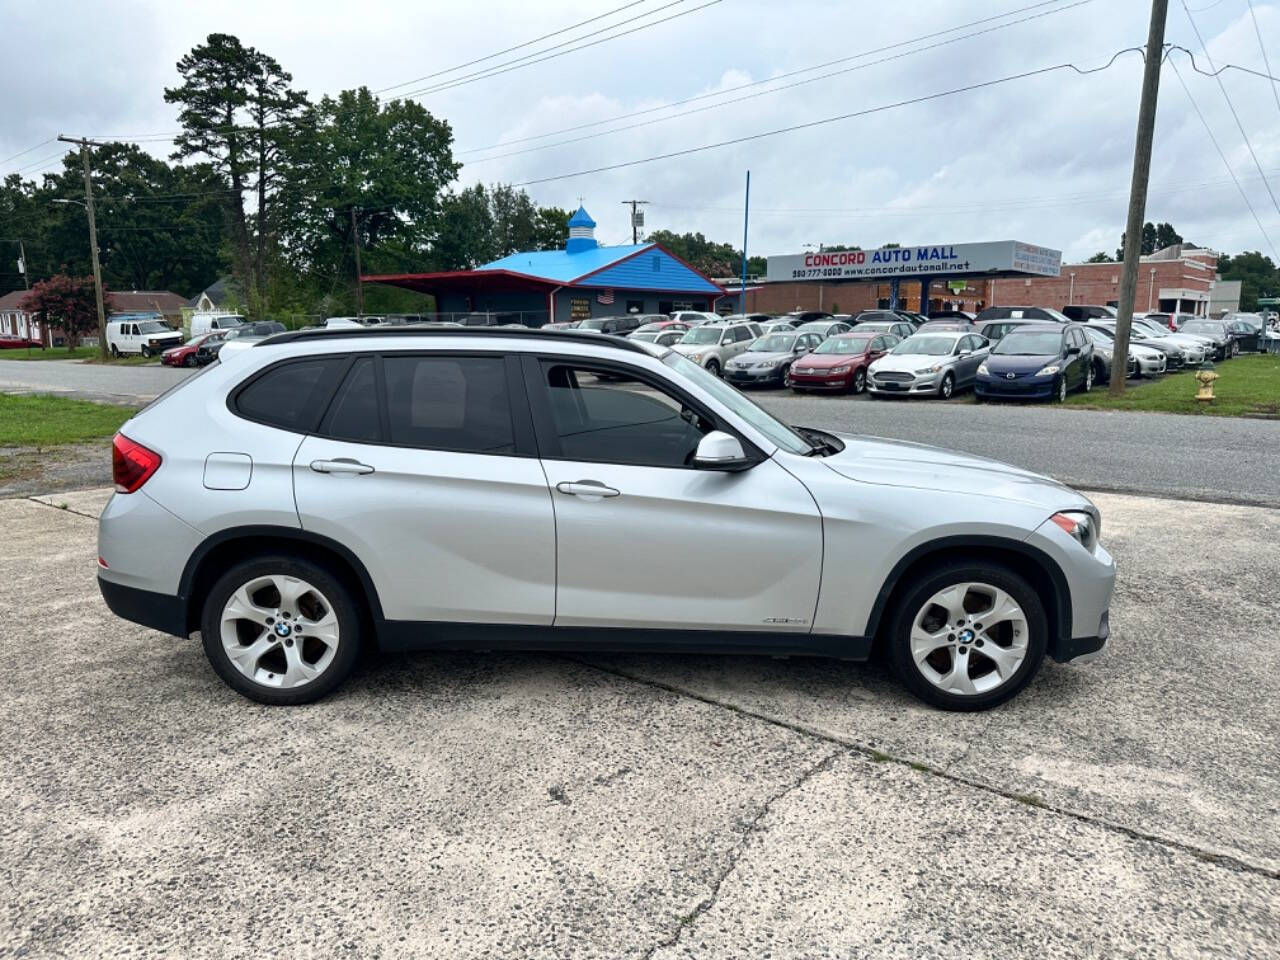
285	536
1061	630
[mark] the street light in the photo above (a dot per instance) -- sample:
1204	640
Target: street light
78	203
1151	289
1071	293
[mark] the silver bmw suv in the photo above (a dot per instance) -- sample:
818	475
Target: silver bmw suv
402	489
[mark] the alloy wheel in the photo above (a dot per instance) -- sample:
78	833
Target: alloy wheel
1062	389
969	639
1088	378
279	631
947	387
860	381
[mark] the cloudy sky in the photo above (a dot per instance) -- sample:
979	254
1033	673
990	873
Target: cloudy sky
1045	158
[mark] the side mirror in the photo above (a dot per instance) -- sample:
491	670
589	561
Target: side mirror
721	451
1072	351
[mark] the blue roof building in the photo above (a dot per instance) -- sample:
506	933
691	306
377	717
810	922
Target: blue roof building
583	280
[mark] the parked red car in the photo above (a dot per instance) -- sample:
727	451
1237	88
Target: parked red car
185	355
840	362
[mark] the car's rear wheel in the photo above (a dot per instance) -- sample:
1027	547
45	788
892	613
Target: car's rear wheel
947	387
859	383
280	630
968	636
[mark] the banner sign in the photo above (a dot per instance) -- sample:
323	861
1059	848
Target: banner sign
904	262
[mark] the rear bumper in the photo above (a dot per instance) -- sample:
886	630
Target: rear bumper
159	611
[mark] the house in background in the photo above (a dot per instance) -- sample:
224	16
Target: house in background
18	328
222	294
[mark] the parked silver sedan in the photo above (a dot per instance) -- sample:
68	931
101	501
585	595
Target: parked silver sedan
936	363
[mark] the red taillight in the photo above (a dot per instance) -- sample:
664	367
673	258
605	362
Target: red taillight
132	464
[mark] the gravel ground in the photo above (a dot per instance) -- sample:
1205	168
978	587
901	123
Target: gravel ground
532	806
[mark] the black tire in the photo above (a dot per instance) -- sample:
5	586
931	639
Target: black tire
1060	389
713	367
947	388
1089	375
115	351
344	607
859	382
146	351
1235	348
910	602
189	360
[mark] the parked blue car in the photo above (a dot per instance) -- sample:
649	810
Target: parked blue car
1038	360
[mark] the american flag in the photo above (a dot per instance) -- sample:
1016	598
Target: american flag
605	296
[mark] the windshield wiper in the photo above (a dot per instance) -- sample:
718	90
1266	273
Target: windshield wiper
818	445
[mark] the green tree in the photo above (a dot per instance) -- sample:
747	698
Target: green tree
385	166
1100	257
237	110
67	302
1166	236
1149	240
1257	275
465	238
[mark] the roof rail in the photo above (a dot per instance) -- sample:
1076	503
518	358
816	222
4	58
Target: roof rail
427	332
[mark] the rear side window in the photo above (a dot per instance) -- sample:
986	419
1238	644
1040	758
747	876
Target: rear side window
449	403
288	396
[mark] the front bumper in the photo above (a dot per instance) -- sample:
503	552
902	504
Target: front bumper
1090	581
821	380
1151	366
760	378
1031	386
921	383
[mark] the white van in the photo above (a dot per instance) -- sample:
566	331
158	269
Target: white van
147	337
208	322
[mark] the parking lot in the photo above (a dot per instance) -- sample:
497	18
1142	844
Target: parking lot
547	806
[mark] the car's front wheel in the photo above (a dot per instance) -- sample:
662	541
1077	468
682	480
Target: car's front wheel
280	630
968	636
1088	378
947	387
1060	389
713	367
859	382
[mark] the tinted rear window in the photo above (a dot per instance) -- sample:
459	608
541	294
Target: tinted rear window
449	403
288	395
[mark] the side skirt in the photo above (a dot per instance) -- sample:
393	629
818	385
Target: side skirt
403	635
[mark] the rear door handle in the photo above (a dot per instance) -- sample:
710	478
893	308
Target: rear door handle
343	465
586	488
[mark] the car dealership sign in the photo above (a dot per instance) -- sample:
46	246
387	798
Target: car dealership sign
1003	256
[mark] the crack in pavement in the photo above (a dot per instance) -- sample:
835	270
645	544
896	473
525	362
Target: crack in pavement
62	509
687	921
1226	860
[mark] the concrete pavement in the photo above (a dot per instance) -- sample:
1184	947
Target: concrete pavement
543	806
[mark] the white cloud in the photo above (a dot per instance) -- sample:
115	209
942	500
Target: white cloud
1044	159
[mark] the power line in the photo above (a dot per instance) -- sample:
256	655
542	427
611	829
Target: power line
826	120
756	83
1232	108
518	46
23	153
1209	130
789	86
1266	62
504	68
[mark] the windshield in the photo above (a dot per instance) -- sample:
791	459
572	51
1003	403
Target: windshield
645	335
775	430
152	326
844	345
926	346
594	324
774	343
702	335
875	325
818	325
1027	344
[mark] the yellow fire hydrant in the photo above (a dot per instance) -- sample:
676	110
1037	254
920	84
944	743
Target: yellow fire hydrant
1205	377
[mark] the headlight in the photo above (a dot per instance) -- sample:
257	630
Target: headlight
982	368
695	357
766	364
843	369
1048	371
1080	526
934	369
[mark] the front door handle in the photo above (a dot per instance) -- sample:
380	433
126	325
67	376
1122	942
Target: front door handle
341	465
586	488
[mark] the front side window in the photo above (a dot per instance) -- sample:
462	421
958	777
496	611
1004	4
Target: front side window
449	403
610	421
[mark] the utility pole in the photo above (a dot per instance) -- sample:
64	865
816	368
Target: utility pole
355	242
746	213
636	221
1138	189
93	238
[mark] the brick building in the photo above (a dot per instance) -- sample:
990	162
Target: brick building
1177	279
